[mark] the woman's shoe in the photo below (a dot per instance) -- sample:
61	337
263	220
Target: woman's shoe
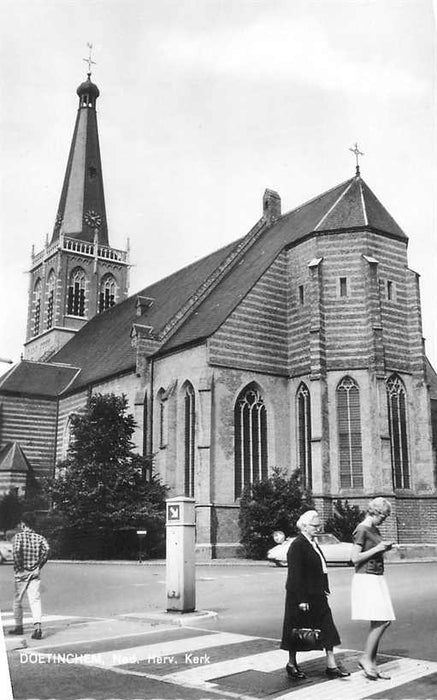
383	676
337	672
369	673
295	672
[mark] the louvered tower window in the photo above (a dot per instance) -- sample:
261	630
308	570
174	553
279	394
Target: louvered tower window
304	434
76	293
349	434
189	439
250	424
50	298
397	421
36	308
107	293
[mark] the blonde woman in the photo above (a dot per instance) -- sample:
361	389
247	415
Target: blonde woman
370	595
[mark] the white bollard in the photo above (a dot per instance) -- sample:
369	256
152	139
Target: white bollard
180	558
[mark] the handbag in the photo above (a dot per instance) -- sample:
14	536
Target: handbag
305	638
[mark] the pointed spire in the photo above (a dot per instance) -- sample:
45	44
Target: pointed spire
81	207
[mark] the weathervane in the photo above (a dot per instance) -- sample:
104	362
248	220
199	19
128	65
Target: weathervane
89	59
357	152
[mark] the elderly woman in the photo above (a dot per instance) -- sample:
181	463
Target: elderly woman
306	603
370	595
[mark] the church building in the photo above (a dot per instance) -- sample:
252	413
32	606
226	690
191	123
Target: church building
297	346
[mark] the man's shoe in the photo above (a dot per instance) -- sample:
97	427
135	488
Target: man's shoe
337	672
16	630
295	672
37	633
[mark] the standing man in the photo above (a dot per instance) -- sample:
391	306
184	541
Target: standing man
31	552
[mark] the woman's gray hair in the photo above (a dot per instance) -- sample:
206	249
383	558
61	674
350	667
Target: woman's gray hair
306	518
379	506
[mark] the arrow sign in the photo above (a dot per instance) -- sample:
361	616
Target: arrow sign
173	512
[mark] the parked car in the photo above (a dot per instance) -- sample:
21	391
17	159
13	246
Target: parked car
334	551
5	551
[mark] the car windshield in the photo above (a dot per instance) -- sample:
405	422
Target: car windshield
327	538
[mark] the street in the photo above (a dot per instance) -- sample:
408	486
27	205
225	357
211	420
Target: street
95	609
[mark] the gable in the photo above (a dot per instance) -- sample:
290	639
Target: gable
255	334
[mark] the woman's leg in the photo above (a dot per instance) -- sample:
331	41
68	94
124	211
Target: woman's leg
292	658
377	629
330	658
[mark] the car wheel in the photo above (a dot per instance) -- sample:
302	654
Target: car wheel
280	563
1	558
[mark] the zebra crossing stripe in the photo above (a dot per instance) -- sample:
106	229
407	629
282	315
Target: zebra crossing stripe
357	687
265	662
165	650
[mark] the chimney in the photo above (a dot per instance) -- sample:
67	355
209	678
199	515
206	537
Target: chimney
271	205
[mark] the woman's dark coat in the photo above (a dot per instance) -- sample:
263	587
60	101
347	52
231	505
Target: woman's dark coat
306	583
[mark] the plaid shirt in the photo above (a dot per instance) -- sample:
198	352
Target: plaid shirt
30	551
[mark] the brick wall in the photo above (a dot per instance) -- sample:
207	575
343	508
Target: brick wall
31	421
255	335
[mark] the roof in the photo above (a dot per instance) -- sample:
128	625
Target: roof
103	346
198	298
348	206
37	378
13	459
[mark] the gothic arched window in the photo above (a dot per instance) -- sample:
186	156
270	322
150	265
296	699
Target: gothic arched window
250	424
36	321
303	399
107	293
189	439
349	434
397	421
51	281
76	293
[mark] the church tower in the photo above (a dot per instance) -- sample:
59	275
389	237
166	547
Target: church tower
77	274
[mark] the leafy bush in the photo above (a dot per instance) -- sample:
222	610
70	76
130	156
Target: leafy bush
344	521
271	504
103	491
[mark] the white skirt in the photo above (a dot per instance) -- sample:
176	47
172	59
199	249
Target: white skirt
371	598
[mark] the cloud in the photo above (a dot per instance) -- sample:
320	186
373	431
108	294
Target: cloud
290	49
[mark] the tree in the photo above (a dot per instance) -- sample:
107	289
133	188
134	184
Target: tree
344	521
274	503
103	491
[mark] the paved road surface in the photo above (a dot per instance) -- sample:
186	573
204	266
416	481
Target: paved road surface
107	618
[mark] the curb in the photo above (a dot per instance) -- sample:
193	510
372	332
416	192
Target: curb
219	562
178	619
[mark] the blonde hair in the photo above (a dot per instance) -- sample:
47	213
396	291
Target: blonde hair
306	518
379	506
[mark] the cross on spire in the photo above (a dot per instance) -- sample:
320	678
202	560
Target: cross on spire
357	152
89	59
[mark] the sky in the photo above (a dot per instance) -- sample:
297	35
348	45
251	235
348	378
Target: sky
204	104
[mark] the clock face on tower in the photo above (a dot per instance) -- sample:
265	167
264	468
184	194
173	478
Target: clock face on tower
93	219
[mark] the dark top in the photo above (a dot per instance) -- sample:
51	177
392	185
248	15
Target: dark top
305	571
367	537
